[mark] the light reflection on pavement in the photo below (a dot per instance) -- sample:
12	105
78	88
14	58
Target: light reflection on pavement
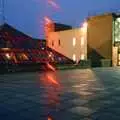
89	94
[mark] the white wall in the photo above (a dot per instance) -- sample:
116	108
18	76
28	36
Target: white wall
66	43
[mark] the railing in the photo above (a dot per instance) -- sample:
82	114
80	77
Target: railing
23	56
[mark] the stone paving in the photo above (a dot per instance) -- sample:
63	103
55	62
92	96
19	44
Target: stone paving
89	94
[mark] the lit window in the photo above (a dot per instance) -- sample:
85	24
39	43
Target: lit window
24	57
74	57
82	57
8	55
118	19
116	23
116	39
5	48
50	54
118	56
74	41
82	40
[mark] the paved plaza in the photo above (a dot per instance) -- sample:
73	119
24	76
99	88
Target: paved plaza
89	94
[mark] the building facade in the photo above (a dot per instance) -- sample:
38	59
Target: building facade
103	39
97	39
116	40
70	43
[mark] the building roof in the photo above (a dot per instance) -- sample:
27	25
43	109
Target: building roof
61	27
16	38
8	28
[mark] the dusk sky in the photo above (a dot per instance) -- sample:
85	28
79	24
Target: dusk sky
27	15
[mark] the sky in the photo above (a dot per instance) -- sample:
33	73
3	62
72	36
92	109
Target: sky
27	15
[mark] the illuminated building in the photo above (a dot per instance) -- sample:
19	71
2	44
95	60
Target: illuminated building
97	39
70	43
67	43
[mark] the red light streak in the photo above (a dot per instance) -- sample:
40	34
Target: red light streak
51	79
50	67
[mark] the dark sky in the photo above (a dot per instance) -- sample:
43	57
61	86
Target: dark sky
27	15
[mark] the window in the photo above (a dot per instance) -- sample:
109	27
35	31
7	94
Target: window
118	20
7	55
74	57
52	43
82	57
82	41
74	41
117	30
59	42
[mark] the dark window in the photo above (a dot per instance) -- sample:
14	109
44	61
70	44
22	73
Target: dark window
52	43
59	42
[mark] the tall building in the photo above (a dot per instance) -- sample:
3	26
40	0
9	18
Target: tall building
98	39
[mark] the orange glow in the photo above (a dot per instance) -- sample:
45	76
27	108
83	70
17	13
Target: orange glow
5	48
53	4
51	79
15	59
52	90
50	67
8	55
50	55
49	118
25	56
47	20
48	26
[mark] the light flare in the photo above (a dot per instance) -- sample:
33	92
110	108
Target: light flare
53	4
8	55
50	67
49	118
15	59
51	79
47	20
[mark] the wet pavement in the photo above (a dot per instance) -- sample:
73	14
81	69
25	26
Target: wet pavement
89	94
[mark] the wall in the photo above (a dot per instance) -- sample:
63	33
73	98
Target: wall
99	38
66	43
